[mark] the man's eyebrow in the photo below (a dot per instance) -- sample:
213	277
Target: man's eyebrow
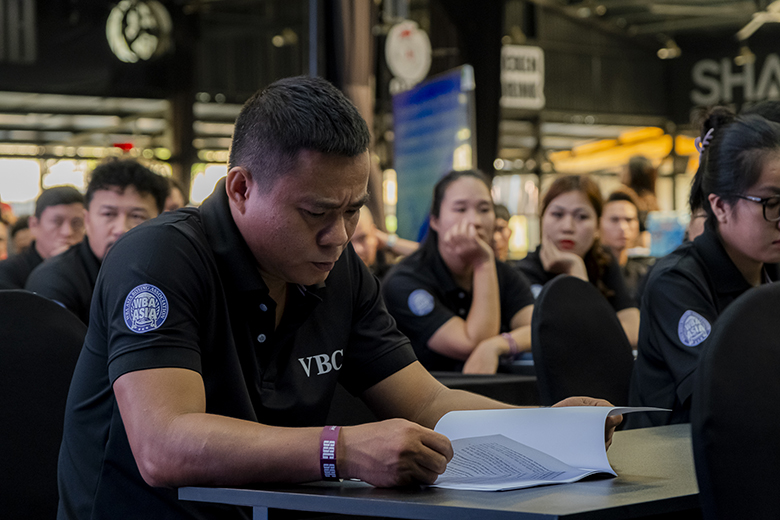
332	204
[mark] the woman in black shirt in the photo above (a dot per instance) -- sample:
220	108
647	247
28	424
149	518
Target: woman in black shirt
570	217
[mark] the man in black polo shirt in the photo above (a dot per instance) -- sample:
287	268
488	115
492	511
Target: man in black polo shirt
120	195
57	224
217	335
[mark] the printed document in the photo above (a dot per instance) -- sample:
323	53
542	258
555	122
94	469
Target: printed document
497	450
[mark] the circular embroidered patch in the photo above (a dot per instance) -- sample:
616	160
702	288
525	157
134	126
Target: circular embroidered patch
146	308
420	302
693	329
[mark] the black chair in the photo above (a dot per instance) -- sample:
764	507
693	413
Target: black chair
735	426
578	344
40	342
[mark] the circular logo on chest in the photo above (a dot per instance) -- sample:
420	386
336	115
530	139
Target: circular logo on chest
146	308
420	302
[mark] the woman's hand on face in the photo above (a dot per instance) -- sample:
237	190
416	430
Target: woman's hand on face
463	242
562	262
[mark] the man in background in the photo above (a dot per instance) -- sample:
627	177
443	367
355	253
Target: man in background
20	235
120	196
57	224
501	233
371	244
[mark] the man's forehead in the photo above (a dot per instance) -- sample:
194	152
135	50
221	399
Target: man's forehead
61	208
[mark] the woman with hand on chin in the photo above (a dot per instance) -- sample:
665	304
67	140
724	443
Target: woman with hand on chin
570	211
460	307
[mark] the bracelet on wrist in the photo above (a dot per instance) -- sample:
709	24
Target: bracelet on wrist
392	239
513	348
329	439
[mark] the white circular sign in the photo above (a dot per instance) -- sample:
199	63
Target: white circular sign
408	52
138	30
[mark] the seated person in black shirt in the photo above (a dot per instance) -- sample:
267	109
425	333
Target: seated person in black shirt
218	334
460	307
687	290
619	232
57	224
570	214
120	195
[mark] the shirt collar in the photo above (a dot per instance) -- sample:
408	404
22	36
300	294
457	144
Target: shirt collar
237	264
727	278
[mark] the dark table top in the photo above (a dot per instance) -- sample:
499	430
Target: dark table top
655	476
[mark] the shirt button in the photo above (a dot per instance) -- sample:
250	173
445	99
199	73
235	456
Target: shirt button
261	338
462	312
462	295
263	307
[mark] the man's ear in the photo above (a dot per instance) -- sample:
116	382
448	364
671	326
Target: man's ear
238	186
720	208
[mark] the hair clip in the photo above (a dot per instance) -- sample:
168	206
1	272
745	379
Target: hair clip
702	144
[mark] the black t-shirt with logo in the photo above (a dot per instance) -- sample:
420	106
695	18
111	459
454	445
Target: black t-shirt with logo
422	295
183	290
68	278
685	293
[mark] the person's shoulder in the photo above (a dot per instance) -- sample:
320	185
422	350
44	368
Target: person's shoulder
53	268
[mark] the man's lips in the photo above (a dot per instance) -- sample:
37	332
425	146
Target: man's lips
324	266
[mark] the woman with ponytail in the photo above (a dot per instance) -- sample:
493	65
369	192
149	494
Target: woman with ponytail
738	184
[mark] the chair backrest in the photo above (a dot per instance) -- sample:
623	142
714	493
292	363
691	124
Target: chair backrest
578	344
40	342
735	426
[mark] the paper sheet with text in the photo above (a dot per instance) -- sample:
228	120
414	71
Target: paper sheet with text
498	450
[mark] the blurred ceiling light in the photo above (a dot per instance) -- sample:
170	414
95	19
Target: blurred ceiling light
670	50
745	56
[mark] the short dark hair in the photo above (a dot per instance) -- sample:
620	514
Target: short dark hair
57	196
21	223
290	115
128	172
501	212
641	174
622	194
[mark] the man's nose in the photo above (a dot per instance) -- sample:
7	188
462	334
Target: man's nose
336	234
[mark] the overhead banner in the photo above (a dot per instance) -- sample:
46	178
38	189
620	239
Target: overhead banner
701	81
522	77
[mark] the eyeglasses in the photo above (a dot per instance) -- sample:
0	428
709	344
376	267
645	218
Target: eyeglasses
771	206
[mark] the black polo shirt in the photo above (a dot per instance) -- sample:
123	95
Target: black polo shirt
422	295
15	269
531	266
183	290
68	278
686	292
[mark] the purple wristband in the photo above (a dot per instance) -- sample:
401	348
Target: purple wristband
329	439
513	349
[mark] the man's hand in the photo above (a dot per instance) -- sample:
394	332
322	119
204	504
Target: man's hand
612	421
395	452
563	262
462	242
